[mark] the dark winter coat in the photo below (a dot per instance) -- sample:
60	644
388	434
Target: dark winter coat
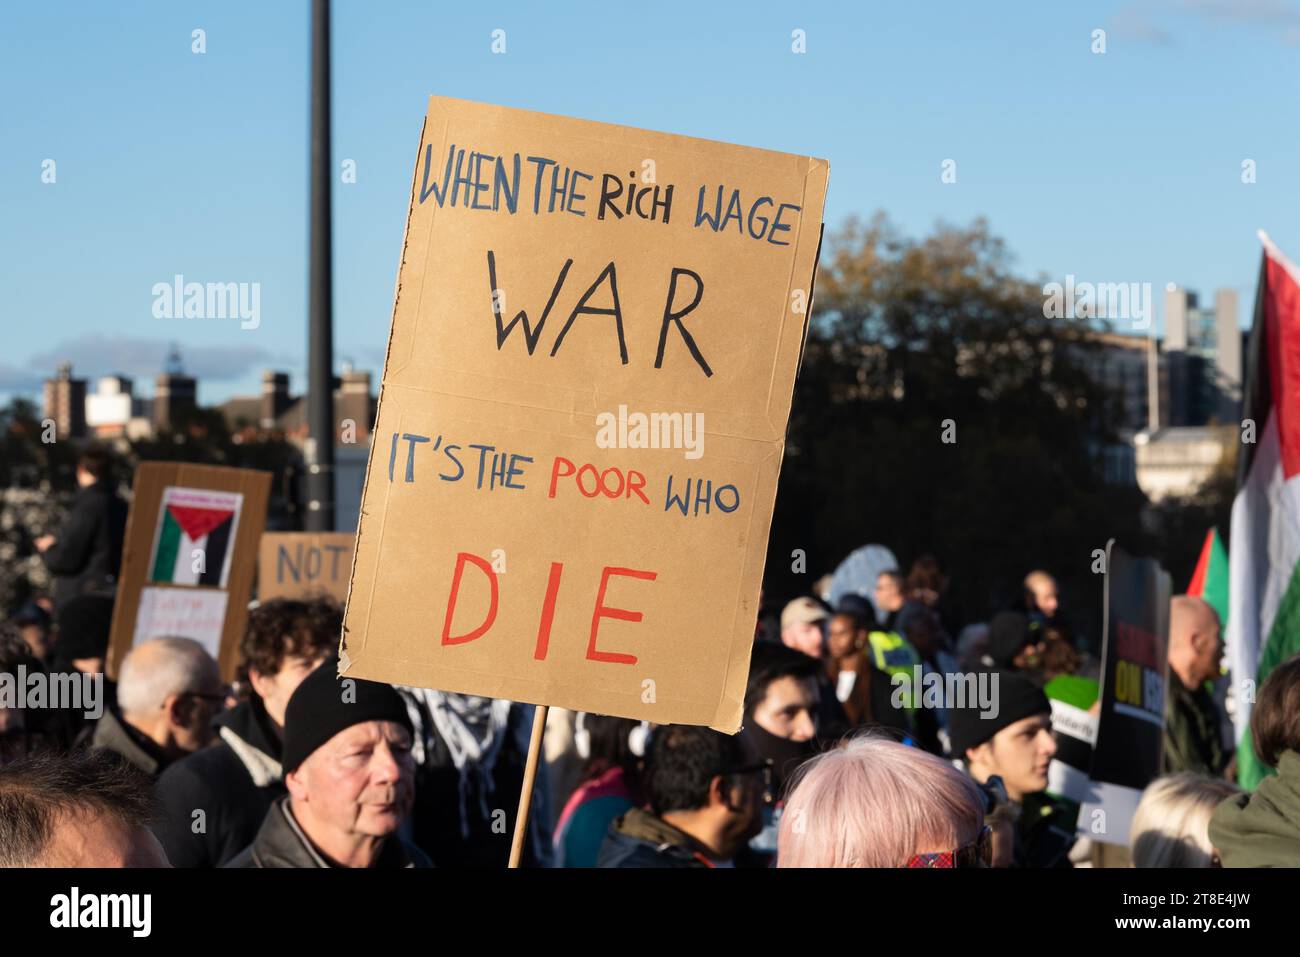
640	839
281	843
86	555
234	783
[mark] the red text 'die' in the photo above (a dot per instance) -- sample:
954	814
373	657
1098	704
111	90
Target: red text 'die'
547	611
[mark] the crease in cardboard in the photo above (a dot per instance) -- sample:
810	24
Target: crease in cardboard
574	414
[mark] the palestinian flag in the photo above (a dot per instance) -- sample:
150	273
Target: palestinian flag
1264	571
1210	580
196	531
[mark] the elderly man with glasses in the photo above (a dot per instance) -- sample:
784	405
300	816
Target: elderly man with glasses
168	693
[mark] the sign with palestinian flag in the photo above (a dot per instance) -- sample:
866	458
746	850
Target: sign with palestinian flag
195	531
1264	587
188	558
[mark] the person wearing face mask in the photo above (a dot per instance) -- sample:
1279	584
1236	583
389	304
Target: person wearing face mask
351	780
781	726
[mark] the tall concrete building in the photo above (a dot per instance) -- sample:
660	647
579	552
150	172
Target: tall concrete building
1228	365
65	403
1204	348
1176	319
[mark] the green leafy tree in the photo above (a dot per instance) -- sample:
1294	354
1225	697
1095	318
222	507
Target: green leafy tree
939	410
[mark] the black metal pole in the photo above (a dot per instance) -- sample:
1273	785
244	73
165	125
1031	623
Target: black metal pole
320	359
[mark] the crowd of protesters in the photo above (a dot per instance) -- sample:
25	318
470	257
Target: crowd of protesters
842	761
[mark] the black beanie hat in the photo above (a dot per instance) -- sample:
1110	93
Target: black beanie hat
1016	698
317	710
1008	633
84	624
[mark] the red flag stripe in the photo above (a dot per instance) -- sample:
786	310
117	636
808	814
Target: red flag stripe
197	522
1197	587
1282	314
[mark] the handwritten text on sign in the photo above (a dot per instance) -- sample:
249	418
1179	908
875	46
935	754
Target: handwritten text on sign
468	176
304	565
523	534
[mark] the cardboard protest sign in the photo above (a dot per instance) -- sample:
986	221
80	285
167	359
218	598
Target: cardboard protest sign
1130	729
594	346
304	565
187	559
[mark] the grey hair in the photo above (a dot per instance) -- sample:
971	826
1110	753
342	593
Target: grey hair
169	666
37	792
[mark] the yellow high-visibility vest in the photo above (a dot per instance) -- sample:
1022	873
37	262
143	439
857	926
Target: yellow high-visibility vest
894	655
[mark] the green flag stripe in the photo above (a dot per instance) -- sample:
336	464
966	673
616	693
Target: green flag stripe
1283	642
169	543
1215	589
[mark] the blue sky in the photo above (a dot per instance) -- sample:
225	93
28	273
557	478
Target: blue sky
1115	167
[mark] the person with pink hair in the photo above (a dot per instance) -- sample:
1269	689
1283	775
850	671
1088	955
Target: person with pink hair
875	803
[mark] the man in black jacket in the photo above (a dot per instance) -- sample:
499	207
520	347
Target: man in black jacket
85	556
235	782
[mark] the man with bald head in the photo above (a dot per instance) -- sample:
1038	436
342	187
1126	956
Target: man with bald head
168	692
1193	740
1041	595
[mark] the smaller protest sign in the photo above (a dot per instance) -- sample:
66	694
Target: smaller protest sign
1130	728
304	565
188	557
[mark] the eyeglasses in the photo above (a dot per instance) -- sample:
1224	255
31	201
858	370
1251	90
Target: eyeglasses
978	853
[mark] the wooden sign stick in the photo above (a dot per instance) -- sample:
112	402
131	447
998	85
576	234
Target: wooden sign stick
530	775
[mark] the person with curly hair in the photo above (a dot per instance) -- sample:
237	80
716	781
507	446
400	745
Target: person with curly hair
229	787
